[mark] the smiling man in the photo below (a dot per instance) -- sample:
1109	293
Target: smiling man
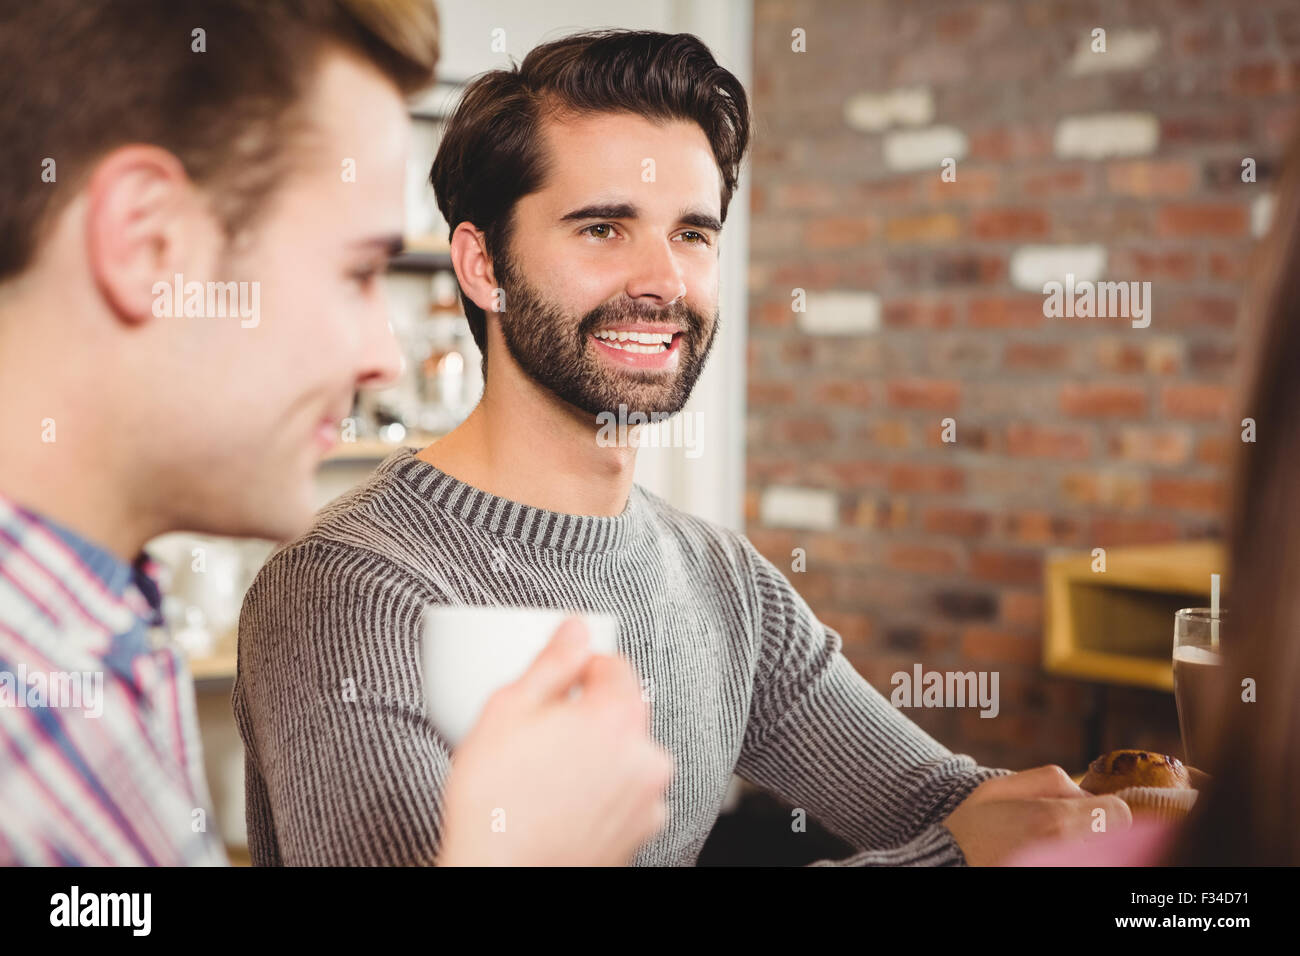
199	143
587	190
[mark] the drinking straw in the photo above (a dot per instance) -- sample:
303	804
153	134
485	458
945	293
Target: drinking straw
1214	612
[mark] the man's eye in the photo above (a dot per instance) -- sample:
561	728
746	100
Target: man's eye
599	225
365	277
701	239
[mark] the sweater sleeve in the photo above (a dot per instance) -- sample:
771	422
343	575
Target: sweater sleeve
823	739
347	767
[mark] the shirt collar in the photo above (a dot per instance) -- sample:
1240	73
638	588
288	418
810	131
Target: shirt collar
102	584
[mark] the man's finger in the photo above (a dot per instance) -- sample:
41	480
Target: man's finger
557	667
1049	781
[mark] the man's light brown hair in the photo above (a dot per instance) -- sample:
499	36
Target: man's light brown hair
84	77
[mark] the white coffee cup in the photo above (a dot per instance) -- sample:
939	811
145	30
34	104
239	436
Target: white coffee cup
470	652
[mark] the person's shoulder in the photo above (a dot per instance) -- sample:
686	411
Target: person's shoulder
356	537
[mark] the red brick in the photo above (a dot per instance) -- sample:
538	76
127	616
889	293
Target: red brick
958	26
1215	450
888	433
1021	223
882	513
1020	312
1211	126
1124	356
958	522
801	431
988	645
1103	401
1047	441
1229	267
1111	532
1148	266
1261	79
874	192
1200	495
1154	446
1007	143
855	474
1196	402
770	471
934	394
770	393
966	436
774	315
1021	609
1006	567
836	232
1219	219
924	313
1120	357
1211	311
971	185
922	559
1105	489
1054	183
1041	527
853	394
1144	178
831	549
805	194
926	479
1035	356
926	227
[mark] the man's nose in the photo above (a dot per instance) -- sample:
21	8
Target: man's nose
381	357
657	275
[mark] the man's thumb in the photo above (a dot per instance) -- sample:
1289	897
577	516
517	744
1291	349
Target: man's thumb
558	666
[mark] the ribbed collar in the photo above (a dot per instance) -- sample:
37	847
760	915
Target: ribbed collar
510	519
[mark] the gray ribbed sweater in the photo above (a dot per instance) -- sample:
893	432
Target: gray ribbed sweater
745	678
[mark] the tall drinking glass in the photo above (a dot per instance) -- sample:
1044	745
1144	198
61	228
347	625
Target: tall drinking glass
1198	670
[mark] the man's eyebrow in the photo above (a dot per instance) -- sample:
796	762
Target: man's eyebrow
390	244
623	210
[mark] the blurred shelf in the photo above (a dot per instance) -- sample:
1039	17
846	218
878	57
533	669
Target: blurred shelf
376	449
1117	626
238	855
420	262
216	670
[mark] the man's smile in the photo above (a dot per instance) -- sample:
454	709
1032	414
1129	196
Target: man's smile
641	345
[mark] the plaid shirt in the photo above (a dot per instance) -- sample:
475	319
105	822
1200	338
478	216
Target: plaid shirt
100	762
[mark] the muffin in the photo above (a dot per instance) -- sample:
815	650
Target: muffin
1155	786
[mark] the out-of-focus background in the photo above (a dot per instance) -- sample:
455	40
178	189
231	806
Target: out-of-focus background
889	414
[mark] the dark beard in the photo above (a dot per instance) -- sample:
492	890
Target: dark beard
556	354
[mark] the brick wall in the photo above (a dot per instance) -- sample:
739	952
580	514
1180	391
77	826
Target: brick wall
924	301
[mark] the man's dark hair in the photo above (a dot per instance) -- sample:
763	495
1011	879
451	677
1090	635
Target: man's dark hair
83	77
492	152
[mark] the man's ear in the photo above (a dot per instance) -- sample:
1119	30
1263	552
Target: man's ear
139	198
473	267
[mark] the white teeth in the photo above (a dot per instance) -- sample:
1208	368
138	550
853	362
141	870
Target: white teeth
641	338
656	344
